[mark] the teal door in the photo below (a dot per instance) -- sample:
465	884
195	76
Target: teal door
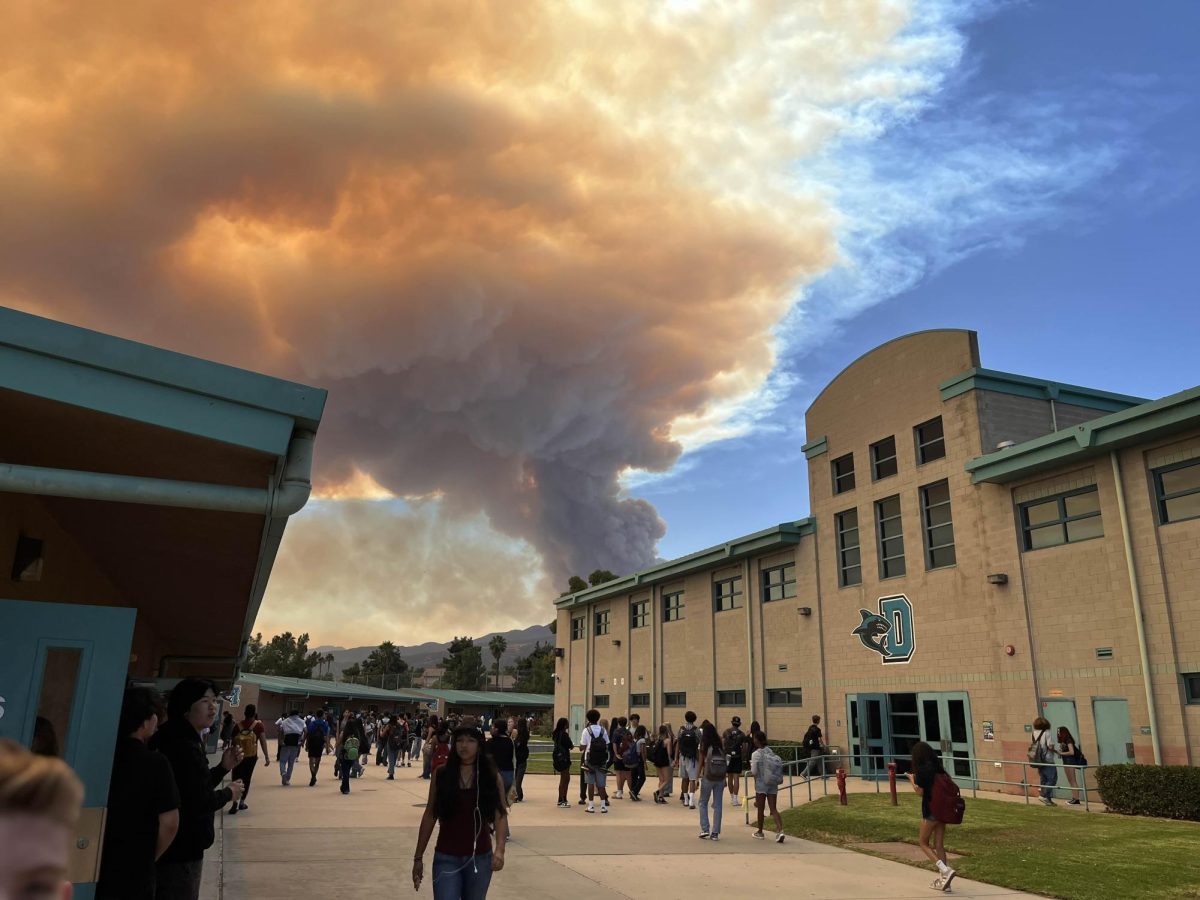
62	675
946	726
1061	714
870	740
576	721
1114	737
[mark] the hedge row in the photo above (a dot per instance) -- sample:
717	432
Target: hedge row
1168	792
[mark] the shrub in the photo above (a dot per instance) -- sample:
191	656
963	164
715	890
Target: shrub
789	751
1169	792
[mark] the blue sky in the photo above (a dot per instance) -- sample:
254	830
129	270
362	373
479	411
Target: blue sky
1072	249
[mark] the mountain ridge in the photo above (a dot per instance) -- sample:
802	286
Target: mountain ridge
430	653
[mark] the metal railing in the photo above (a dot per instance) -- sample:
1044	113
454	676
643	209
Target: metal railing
828	765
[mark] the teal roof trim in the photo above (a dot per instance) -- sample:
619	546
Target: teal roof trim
313	687
782	535
1036	388
147	384
1172	414
492	698
815	447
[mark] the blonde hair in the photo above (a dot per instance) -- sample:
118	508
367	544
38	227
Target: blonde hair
39	785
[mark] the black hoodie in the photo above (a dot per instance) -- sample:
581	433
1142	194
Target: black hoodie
199	795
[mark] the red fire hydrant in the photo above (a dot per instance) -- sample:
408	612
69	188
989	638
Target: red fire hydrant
891	767
841	785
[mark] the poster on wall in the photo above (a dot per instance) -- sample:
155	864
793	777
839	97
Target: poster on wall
989	733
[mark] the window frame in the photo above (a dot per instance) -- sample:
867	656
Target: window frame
636	701
1191	688
876	459
1161	497
580	632
597	698
1061	522
842	549
921	444
783	583
927	528
602	625
735	597
838	477
738	699
881	541
674	698
639	613
773	700
677	607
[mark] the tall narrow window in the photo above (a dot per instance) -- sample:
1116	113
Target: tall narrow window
578	627
779	582
602	622
843	473
639	613
891	537
1177	489
883	458
727	594
1062	519
938	525
673	606
931	440
849	556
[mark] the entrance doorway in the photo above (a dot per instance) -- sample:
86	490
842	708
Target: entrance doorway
576	720
884	728
1114	736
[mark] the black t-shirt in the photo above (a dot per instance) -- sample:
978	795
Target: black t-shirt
924	777
142	787
522	749
501	748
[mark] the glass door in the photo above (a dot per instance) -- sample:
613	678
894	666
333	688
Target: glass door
946	726
870	738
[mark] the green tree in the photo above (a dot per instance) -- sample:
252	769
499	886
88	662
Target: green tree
284	655
497	645
553	626
534	673
383	662
600	576
575	584
464	668
352	672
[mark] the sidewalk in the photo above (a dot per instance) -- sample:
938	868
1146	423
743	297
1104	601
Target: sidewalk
314	840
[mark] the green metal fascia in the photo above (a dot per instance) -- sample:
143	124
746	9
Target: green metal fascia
1036	388
1174	413
815	447
783	535
491	697
301	687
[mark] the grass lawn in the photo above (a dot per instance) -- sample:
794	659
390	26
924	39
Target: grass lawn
1058	852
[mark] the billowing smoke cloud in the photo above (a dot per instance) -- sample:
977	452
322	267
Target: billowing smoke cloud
526	246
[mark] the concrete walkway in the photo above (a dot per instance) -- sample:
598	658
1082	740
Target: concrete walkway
298	841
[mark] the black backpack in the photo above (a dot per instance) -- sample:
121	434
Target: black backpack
561	757
812	739
597	755
397	738
314	740
733	743
689	744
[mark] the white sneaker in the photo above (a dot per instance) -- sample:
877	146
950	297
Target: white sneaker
618	795
759	836
603	807
691	803
947	877
779	838
937	883
591	808
714	836
734	801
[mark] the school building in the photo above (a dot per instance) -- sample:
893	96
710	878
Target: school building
982	548
143	497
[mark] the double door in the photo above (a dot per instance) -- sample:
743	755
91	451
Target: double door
882	731
945	719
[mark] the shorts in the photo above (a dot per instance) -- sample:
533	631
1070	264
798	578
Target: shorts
596	777
930	819
735	766
688	767
620	766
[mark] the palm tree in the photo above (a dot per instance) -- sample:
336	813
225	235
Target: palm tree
329	662
497	645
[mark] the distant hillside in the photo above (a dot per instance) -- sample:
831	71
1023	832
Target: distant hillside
430	654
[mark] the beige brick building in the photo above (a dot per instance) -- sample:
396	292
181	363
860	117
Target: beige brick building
982	548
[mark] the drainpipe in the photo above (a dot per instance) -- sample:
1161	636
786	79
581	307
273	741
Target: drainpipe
747	593
1136	594
281	501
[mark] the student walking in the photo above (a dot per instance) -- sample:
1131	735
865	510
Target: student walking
316	744
594	742
660	756
733	740
521	751
1041	755
687	753
926	766
560	756
351	745
248	736
227	725
501	749
713	766
812	744
622	739
466	801
1071	756
635	762
291	734
767	770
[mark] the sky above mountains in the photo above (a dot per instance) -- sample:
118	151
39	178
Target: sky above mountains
571	272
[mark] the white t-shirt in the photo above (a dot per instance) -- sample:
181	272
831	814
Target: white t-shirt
585	739
292	725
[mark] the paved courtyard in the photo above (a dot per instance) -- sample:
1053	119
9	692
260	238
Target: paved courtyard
301	840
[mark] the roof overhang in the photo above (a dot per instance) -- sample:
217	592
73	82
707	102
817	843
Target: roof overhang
978	379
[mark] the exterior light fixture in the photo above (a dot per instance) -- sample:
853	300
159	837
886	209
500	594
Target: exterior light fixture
998	578
804	610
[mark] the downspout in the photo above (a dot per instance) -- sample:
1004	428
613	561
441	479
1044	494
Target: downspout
750	696
1136	594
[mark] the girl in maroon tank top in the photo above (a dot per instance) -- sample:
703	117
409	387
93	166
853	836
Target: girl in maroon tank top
466	800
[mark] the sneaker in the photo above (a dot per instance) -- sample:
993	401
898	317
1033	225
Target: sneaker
233	810
714	836
779	838
937	883
734	801
603	807
582	801
635	798
692	803
390	778
657	798
563	804
1072	802
242	806
1048	801
312	781
618	795
947	878
590	808
759	836
704	835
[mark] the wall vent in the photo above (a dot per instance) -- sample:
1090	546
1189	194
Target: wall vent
783	667
1104	653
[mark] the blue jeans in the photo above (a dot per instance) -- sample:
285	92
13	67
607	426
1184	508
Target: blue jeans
461	877
715	790
393	755
287	759
347	767
1048	776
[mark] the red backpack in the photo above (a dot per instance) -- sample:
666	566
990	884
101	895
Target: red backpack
947	804
441	753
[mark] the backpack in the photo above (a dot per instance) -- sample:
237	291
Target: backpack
1036	752
734	742
631	754
623	741
350	749
770	767
397	739
441	755
812	739
315	741
561	757
659	755
947	804
716	766
247	740
597	752
689	744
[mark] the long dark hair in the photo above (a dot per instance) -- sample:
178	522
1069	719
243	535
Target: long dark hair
1069	739
924	755
560	727
446	783
709	737
522	731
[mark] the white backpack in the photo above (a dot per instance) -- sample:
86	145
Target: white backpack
771	768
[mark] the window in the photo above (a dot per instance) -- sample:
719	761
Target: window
731	698
843	473
1191	687
600	701
673	606
675	698
639	613
577	628
931	440
727	594
938	525
1178	491
1063	519
602	622
779	582
641	701
891	537
849	557
784	697
883	459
